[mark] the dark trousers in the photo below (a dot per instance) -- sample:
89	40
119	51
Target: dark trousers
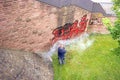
61	60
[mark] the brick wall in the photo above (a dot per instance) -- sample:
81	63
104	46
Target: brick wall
28	24
79	12
71	13
98	27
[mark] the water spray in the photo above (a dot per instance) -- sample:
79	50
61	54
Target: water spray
79	43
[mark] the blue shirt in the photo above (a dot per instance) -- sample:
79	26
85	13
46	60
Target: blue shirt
61	52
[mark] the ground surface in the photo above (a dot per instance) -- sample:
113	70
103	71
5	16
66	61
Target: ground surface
18	65
98	62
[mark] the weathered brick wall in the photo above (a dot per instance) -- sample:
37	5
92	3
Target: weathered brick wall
26	24
71	13
66	14
99	28
79	12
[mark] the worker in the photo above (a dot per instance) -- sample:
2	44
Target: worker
61	54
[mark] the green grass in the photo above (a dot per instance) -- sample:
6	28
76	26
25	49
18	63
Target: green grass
97	62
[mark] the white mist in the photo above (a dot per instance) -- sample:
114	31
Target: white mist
79	43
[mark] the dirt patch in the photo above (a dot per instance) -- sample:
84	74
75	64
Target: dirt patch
18	65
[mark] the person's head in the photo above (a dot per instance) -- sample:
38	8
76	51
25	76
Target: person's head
61	45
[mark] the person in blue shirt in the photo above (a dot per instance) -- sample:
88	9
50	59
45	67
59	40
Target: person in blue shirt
61	54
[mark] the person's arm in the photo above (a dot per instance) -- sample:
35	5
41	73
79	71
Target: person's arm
64	51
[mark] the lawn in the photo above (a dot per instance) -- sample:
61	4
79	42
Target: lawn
98	62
